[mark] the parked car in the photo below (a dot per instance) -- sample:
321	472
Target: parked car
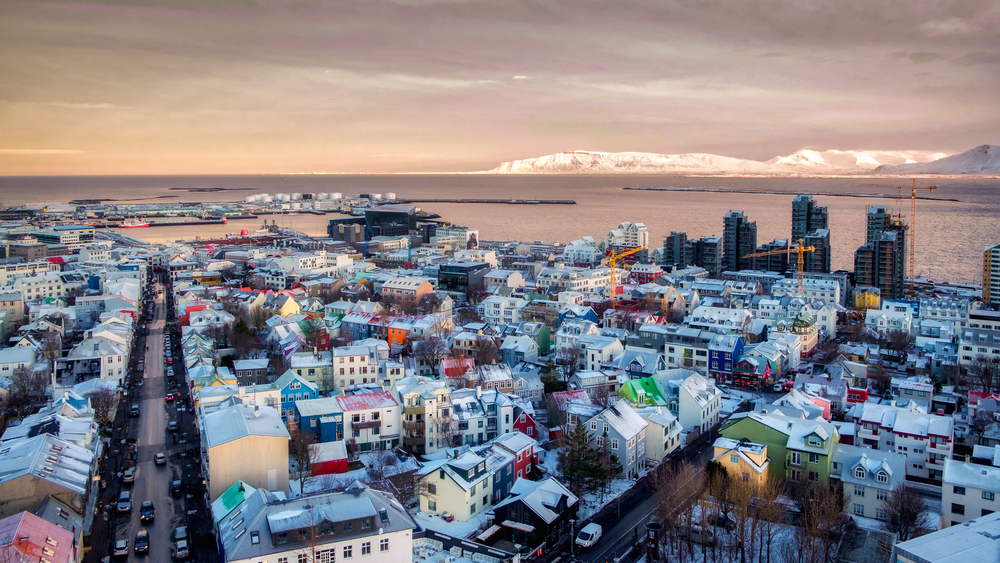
121	549
176	488
697	534
128	477
589	535
135	410
779	386
172	426
160	459
181	550
125	502
142	542
147	512
180	533
722	521
169	398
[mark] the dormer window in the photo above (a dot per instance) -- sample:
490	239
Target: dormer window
859	473
882	477
815	441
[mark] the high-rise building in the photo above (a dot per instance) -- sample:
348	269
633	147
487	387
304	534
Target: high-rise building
991	275
881	262
705	252
775	262
817	261
739	238
807	217
673	250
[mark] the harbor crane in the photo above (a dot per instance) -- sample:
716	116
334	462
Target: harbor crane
801	249
612	260
913	217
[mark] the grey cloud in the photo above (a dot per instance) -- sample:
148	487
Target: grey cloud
979	58
919	57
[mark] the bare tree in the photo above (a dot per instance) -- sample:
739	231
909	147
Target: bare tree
27	388
906	512
676	490
822	522
353	449
431	351
50	346
980	424
475	294
298	448
675	314
603	397
770	515
380	465
429	303
899	340
487	351
103	401
983	374
555	411
879	379
569	357
467	315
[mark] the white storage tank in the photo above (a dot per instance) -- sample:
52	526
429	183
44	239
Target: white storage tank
391	196
250	199
336	195
322	195
296	205
296	196
281	197
267	199
286	206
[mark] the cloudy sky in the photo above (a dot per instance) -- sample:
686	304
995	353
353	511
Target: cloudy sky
244	86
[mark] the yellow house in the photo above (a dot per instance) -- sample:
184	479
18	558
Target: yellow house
742	459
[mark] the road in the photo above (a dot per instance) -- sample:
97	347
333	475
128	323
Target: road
152	482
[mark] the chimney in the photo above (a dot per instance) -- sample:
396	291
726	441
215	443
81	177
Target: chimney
256	411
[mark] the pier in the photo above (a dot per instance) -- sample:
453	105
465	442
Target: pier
505	201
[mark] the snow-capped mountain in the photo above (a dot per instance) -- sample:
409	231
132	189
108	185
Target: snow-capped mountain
801	162
984	159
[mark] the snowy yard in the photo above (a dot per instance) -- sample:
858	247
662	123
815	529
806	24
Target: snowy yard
324	483
455	528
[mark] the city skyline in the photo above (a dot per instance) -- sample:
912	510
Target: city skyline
172	87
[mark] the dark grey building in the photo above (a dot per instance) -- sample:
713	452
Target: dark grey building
881	262
673	250
739	238
807	217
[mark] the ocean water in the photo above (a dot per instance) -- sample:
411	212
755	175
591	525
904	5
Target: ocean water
950	235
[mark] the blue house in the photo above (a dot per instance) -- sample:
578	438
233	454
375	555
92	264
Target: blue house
501	463
723	353
294	388
323	417
579	313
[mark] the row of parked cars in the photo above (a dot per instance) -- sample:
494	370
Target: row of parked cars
180	549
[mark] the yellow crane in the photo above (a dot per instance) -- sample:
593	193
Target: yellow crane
612	260
913	216
801	249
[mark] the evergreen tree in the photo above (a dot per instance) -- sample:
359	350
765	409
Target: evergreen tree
577	460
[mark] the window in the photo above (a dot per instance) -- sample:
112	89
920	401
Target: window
366	548
432	506
614	443
383	545
859	491
859	509
813	458
348	551
814	441
957	508
859	472
882	477
988	495
303	558
796	458
432	488
958	490
472	508
366	523
881	495
987	512
734	458
813	476
881	514
325	556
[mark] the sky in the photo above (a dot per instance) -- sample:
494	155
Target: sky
374	86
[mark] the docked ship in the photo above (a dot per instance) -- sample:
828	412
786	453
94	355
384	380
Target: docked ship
133	224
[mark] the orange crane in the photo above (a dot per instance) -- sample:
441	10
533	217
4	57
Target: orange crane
612	260
913	216
801	249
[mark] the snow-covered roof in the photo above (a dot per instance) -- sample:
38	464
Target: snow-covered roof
241	421
514	441
542	497
971	475
366	401
624	420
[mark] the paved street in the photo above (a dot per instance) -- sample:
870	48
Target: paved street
152	482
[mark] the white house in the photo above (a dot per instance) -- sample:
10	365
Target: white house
868	476
968	491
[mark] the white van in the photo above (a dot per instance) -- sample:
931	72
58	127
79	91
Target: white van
589	535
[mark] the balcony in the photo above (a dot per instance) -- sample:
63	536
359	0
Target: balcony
368	424
419	426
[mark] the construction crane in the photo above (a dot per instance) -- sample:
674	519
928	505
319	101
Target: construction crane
612	260
801	249
913	216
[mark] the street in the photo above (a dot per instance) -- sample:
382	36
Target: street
152	482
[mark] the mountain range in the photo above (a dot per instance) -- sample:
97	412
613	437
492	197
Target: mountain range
984	159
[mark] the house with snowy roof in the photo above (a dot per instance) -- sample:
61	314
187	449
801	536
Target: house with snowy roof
27	537
742	459
637	362
868	476
927	440
968	491
535	513
663	432
43	466
801	449
372	420
245	443
358	522
625	434
460	486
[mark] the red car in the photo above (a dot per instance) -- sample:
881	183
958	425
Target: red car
169	398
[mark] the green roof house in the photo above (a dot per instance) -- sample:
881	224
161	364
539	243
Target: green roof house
801	449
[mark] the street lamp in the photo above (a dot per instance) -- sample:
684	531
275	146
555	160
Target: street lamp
572	531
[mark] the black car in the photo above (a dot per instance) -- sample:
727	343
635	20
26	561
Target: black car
172	426
142	542
176	488
147	512
135	410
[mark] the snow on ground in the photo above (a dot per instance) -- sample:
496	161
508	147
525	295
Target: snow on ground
737	396
590	504
455	528
324	483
